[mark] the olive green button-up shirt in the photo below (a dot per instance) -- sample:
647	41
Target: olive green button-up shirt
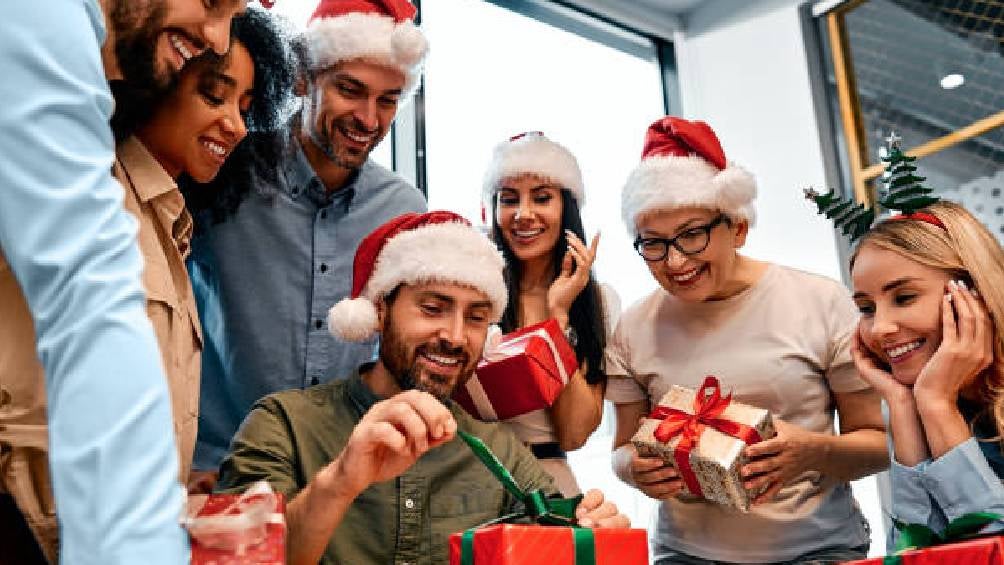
289	436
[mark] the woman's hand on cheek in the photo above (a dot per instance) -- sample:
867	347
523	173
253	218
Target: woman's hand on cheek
872	371
966	348
572	277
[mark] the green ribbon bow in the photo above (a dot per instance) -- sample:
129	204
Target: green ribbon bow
536	507
919	536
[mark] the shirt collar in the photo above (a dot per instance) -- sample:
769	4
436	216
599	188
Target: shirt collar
149	180
301	180
363	398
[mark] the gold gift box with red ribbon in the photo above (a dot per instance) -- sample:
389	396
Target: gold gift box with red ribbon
703	435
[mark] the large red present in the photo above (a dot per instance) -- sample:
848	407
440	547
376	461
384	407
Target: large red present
519	373
231	529
512	544
979	551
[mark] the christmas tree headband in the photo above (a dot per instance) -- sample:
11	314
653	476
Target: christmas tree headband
903	192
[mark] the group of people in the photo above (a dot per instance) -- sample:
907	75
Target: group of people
294	314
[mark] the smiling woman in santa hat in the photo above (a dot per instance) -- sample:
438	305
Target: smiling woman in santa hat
776	337
534	190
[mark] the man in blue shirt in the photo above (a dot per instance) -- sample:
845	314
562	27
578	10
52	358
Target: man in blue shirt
70	289
266	276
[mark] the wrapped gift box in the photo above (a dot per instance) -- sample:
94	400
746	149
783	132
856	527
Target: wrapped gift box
230	529
519	373
716	457
979	551
512	544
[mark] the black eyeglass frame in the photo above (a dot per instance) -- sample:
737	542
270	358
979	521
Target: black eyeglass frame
706	228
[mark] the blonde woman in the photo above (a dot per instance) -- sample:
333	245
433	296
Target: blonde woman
930	288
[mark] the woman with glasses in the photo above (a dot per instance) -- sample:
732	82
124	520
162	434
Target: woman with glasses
534	187
775	337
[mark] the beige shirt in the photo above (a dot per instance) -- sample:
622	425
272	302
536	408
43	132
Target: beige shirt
164	234
782	345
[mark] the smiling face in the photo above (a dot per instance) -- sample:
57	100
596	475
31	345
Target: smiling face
350	108
154	39
432	336
708	275
528	212
900	303
201	121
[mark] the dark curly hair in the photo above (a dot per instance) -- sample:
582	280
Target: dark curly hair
586	315
255	162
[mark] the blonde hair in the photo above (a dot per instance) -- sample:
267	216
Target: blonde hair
967	251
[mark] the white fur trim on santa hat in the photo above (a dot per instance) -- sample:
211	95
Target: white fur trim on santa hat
353	319
372	37
538	155
665	183
449	252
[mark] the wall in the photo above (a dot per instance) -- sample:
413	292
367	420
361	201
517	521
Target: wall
743	69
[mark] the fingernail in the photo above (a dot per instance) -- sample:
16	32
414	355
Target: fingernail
948	296
963	285
953	284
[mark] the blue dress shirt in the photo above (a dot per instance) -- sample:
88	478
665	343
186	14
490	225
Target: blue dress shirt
72	247
265	279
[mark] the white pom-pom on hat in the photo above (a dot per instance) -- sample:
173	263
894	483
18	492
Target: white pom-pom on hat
353	319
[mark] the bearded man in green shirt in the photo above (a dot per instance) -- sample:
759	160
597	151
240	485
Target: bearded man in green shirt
431	285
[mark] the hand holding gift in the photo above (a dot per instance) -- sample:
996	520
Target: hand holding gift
778	461
655	477
703	436
519	372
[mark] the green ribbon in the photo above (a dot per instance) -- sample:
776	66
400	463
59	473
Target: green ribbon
536	507
919	536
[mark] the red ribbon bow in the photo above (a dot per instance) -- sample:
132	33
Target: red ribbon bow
708	406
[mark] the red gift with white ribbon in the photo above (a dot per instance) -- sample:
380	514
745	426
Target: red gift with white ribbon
231	529
519	372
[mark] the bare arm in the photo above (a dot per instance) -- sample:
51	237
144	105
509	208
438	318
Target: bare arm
577	411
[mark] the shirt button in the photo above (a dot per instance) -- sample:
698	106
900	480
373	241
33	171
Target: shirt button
318	323
324	267
314	380
409	503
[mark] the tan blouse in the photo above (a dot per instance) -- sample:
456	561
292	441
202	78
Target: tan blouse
164	235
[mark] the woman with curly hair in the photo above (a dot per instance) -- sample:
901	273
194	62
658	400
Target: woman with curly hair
189	134
930	288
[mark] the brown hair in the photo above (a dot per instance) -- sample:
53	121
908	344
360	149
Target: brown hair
968	251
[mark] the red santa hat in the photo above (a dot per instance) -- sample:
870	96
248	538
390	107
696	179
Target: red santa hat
532	152
381	31
683	164
415	248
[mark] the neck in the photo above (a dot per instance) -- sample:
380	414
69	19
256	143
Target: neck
380	381
745	273
172	170
108	58
536	274
333	176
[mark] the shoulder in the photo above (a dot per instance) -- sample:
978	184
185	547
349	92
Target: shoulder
298	404
644	308
388	183
789	281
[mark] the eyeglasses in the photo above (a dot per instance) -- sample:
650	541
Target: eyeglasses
690	242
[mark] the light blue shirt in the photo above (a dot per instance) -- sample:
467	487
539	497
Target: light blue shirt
72	247
936	492
265	280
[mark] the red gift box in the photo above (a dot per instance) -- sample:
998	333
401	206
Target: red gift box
231	529
512	544
979	551
519	373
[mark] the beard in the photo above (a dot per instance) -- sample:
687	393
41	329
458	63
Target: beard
323	137
137	27
403	365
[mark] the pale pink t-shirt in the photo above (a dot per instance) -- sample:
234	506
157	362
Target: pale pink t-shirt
782	345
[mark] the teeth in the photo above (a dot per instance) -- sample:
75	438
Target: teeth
687	276
903	349
358	138
529	233
215	148
443	360
180	46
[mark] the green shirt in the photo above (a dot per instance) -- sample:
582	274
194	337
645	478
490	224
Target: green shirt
289	436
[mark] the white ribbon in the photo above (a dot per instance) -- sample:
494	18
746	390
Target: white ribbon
480	399
237	527
497	349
